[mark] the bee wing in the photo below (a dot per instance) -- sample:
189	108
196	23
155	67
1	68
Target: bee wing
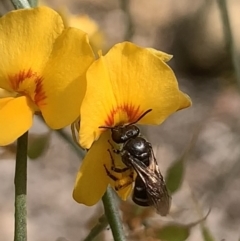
158	194
155	185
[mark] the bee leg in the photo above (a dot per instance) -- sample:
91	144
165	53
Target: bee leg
113	149
113	166
126	184
120	184
119	187
110	174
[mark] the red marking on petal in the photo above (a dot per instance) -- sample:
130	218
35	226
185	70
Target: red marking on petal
40	95
18	78
133	113
35	90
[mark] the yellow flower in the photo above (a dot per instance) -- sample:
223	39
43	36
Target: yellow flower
43	66
87	24
121	86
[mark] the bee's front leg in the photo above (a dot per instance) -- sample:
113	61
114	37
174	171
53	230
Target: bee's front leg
113	148
113	165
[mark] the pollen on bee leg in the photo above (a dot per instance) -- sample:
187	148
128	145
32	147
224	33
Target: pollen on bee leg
29	83
123	114
119	183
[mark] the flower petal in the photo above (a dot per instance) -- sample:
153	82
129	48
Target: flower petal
161	55
26	39
92	179
5	93
130	80
184	101
98	105
124	193
16	116
64	80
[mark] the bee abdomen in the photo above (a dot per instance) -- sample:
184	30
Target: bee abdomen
140	196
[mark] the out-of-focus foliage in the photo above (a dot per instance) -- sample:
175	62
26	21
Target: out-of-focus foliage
207	236
37	145
174	232
175	175
179	232
143	226
135	216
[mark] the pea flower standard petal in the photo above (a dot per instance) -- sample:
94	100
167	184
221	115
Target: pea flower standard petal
43	66
121	86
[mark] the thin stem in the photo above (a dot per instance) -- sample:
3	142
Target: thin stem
18	4
128	18
33	3
229	38
111	212
69	139
98	228
20	181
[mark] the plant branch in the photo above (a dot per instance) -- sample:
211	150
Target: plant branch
33	3
18	4
111	212
98	228
69	139
20	181
128	19
229	38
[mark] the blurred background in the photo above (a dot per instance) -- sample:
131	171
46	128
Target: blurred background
197	148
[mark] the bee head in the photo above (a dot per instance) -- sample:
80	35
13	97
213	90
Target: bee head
120	134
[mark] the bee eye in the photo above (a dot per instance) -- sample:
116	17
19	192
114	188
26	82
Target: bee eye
117	136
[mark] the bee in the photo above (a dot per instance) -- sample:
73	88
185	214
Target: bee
137	154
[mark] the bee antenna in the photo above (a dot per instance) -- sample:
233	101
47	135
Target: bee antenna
141	116
105	127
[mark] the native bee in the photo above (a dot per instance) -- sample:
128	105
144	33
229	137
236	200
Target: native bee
137	154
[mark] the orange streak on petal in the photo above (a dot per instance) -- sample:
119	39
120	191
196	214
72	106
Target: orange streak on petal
40	95
18	78
33	87
132	114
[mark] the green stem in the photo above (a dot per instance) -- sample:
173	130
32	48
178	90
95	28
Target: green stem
100	226
20	181
125	6
229	38
33	3
69	139
112	215
18	4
